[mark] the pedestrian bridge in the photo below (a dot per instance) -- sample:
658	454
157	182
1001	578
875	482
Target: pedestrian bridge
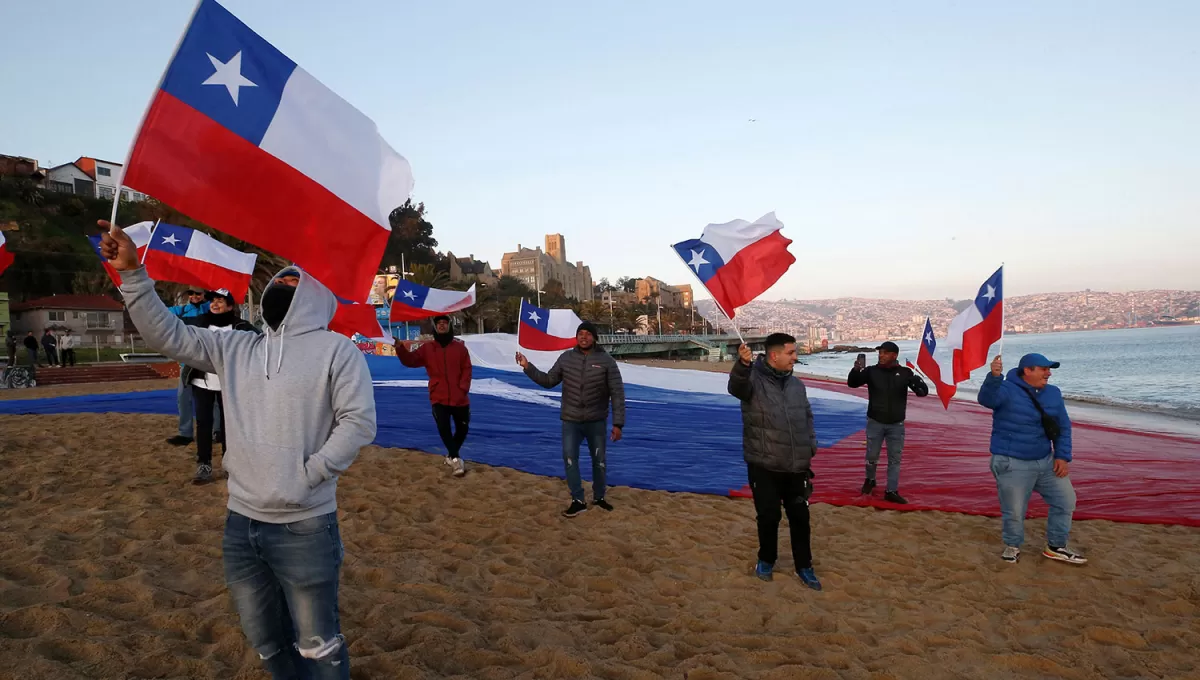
703	347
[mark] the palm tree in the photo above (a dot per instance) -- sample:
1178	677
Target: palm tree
427	275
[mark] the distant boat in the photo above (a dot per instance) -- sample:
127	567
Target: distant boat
1170	321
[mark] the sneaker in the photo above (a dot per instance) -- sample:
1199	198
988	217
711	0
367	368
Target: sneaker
809	578
460	468
575	508
894	497
601	503
764	571
1063	555
1011	554
868	487
179	440
204	474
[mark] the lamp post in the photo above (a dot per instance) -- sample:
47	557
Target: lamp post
540	297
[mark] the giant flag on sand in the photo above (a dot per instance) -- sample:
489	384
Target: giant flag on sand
6	258
194	258
546	330
739	260
241	138
414	301
977	327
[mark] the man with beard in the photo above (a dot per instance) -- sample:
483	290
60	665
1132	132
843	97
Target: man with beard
448	364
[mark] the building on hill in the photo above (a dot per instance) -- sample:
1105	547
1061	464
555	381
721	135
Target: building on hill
469	269
670	297
535	268
90	177
96	319
20	166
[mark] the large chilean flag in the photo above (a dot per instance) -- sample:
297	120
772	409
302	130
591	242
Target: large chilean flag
241	138
546	330
191	257
977	328
739	260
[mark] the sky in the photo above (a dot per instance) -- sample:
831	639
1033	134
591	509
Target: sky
908	148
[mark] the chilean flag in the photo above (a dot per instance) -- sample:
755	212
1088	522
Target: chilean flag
6	258
412	301
241	138
931	368
139	233
356	317
977	327
546	330
739	260
194	258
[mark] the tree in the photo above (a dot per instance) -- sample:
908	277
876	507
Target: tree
427	275
412	237
596	312
604	286
627	284
511	286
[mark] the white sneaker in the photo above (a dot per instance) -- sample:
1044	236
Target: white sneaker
460	467
1011	554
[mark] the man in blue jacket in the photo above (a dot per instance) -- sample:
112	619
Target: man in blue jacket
1031	451
191	312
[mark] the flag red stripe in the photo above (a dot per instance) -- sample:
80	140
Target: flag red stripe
750	272
164	266
403	312
933	370
6	258
357	318
531	338
192	163
976	341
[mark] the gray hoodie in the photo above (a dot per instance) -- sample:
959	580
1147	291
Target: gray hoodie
298	401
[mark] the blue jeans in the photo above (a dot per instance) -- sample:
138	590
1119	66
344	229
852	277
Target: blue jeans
877	434
284	583
573	434
183	401
1016	480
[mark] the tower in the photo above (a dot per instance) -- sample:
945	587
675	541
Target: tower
556	247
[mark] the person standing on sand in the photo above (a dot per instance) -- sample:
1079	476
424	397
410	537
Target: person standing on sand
590	379
190	312
1031	451
301	405
778	444
448	365
887	384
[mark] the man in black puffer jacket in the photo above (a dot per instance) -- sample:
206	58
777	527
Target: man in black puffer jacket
590	379
778	444
887	384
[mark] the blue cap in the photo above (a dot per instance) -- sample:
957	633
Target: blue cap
1039	360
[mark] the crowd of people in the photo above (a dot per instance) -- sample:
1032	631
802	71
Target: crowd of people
300	406
58	350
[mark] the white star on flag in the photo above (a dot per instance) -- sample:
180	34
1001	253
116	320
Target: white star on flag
929	338
533	316
697	260
410	295
991	293
230	75
170	238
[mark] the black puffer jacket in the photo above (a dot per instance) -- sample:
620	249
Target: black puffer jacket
589	381
887	390
777	420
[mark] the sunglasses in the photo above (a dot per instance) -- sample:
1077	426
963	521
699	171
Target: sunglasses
195	292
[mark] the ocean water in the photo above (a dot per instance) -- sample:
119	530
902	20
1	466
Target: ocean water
1150	369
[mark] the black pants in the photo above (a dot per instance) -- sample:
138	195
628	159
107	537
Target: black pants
66	356
205	400
462	418
791	491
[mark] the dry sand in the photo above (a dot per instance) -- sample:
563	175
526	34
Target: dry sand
110	567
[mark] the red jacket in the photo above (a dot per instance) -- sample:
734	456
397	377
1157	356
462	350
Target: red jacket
449	369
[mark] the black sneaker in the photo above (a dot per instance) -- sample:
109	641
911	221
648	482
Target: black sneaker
868	487
179	440
894	497
575	508
601	503
204	474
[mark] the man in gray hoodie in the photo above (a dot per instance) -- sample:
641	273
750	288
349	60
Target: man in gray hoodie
298	406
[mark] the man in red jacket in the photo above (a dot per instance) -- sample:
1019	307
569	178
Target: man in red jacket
448	364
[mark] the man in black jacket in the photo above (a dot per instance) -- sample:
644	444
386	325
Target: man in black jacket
778	444
590	379
887	384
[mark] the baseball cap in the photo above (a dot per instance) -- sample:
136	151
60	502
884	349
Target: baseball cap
889	346
1034	359
220	293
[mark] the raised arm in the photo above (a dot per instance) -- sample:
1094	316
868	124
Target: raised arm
353	400
739	381
550	379
163	331
918	386
991	393
410	358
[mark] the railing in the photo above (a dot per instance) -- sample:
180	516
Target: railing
100	325
631	338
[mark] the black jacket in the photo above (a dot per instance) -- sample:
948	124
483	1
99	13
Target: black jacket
887	390
589	382
777	420
30	342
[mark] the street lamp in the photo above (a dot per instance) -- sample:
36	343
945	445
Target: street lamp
540	297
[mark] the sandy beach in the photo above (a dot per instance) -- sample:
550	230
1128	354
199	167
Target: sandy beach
111	568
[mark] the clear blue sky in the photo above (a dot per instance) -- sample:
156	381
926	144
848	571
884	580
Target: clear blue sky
908	147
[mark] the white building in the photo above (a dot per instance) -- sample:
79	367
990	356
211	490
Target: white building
90	177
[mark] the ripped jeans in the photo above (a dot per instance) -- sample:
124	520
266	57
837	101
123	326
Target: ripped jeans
284	583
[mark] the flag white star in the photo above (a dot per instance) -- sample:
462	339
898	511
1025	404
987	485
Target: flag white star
410	295
929	338
170	239
230	75
533	316
990	294
697	260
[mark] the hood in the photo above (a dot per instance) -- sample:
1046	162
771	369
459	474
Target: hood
1015	375
760	364
312	306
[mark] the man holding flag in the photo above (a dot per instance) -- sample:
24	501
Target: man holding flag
448	365
887	384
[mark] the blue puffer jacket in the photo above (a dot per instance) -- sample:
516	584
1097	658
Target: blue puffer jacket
1017	425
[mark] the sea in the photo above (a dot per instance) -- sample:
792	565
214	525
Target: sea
1151	370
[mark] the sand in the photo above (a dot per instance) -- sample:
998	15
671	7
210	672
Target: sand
110	567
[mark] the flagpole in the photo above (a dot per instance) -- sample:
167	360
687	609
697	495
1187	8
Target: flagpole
1000	350
152	230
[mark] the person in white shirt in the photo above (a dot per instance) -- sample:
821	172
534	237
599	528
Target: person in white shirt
66	349
222	317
